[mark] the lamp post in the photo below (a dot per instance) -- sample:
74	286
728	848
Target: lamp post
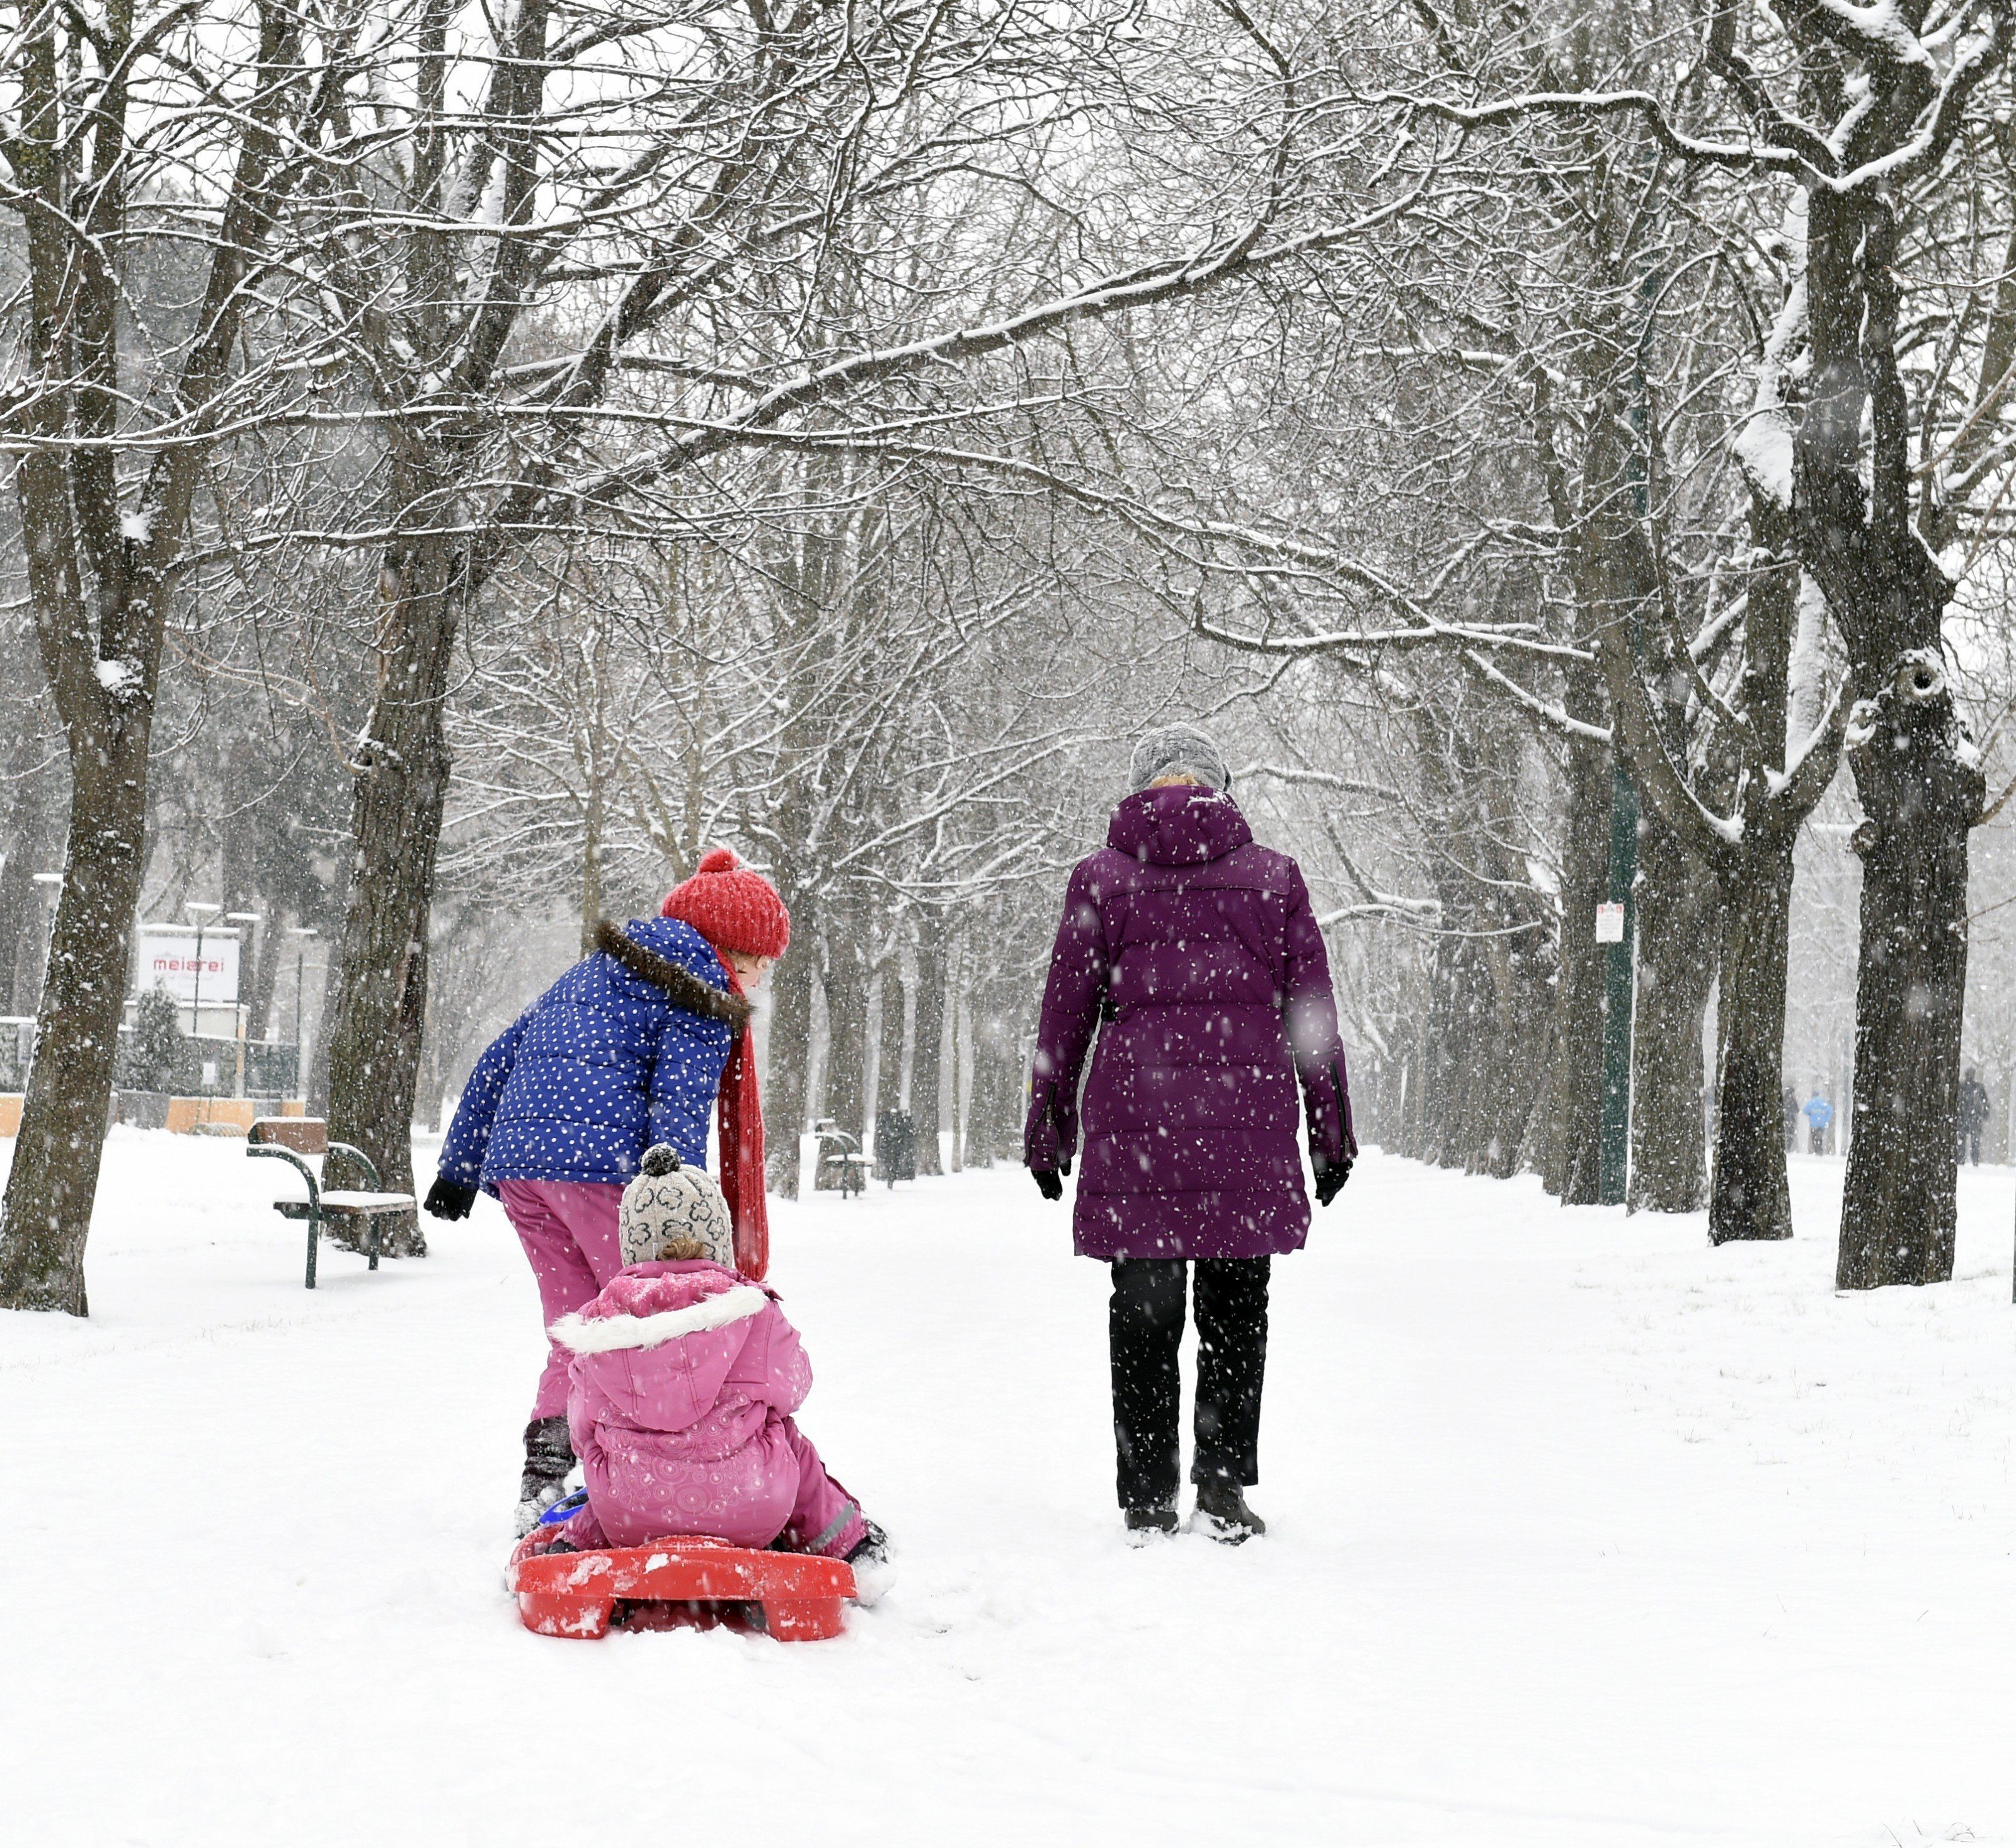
199	912
301	934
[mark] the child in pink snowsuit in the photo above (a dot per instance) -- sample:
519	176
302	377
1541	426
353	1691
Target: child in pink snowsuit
683	1378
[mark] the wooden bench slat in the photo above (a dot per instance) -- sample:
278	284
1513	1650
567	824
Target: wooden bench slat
304	1135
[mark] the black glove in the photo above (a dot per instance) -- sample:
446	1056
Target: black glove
1050	1183
446	1201
1330	1177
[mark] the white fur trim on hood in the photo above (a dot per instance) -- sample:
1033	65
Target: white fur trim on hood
609	1334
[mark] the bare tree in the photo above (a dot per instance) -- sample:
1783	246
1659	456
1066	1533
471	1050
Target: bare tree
149	159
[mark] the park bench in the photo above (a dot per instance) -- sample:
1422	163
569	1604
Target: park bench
293	1139
840	1158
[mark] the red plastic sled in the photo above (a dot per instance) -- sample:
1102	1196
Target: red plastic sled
801	1596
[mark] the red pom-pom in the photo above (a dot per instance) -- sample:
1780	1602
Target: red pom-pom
718	859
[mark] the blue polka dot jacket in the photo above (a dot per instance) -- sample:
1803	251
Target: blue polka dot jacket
603	1065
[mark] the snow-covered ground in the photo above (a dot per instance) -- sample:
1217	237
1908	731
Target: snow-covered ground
1583	1534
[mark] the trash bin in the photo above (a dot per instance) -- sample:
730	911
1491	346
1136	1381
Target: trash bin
895	1146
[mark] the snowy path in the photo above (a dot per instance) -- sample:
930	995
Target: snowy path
1583	1535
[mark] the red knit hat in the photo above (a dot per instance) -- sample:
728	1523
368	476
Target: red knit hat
732	905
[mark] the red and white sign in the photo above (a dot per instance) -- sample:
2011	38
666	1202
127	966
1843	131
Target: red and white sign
168	959
1610	924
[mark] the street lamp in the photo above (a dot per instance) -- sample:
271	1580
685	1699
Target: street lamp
301	934
199	911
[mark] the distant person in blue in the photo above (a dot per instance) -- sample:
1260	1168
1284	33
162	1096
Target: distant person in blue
1818	1114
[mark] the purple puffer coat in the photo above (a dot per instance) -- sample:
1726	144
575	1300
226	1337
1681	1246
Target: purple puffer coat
1200	952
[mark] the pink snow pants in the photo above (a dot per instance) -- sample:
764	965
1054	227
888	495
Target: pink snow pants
568	1229
824	1517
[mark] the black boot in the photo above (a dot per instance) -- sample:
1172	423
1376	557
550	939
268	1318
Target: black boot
549	1458
1144	1523
874	1569
1221	1512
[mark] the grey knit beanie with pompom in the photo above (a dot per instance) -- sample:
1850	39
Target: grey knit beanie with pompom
669	1201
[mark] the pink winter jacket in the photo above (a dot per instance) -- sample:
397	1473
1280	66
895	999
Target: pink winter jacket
681	1377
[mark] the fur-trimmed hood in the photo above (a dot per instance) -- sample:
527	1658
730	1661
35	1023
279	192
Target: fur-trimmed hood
686	989
670	1343
646	1305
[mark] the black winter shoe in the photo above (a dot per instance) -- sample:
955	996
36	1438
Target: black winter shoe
1222	1513
874	1570
1144	1524
549	1458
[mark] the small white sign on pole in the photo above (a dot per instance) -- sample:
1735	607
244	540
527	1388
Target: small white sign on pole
168	960
1610	924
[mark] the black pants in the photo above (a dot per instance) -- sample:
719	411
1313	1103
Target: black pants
1145	1325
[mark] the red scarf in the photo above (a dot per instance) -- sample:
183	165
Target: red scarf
742	1150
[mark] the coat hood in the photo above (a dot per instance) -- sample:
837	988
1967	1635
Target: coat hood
1182	825
646	1305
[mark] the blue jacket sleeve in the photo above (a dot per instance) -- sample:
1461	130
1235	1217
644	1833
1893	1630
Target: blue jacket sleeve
468	1138
693	1052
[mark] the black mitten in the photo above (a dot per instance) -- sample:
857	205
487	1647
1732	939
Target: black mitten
1330	1177
446	1201
1050	1183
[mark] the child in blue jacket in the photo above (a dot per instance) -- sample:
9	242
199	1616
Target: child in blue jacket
627	1050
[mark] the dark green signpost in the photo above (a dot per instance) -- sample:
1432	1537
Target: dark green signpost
1613	1147
1613	1159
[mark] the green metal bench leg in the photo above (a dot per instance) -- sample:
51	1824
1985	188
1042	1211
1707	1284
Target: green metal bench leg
315	1227
377	1220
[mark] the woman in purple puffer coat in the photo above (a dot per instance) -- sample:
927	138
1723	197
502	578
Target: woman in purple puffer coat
1200	954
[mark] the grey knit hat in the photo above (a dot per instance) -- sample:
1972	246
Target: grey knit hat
1178	750
667	1202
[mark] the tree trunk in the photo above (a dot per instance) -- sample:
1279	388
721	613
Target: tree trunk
993	1128
927	1038
29	849
400	789
889	1039
1571	1172
1749	1198
1516	1036
1413	1135
1921	799
1450	1049
961	1089
1920	782
1675	908
847	1029
239	865
591	859
790	1057
316	1083
265	978
46	1216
